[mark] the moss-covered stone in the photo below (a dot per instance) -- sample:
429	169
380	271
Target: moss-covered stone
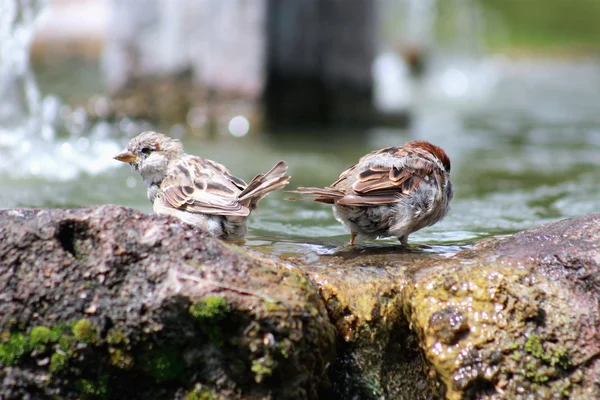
90	389
200	394
515	317
155	307
120	358
262	367
85	331
41	340
13	347
521	330
117	337
210	307
58	362
40	335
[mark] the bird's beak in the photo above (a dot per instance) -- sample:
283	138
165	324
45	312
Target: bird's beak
126	156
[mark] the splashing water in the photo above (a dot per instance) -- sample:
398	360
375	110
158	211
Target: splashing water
40	137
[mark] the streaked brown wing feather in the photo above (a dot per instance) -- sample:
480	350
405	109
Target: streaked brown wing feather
377	184
220	167
205	188
383	185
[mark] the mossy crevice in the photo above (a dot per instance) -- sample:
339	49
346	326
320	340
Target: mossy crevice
210	312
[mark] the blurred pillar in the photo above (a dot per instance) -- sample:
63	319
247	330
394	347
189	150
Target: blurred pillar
308	62
319	59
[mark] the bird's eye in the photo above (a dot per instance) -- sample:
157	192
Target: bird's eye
146	150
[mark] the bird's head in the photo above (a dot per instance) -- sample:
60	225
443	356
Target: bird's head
150	153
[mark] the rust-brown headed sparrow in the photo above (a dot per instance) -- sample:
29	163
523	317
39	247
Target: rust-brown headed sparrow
198	191
391	192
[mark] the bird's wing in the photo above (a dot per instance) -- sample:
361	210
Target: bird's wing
199	185
373	183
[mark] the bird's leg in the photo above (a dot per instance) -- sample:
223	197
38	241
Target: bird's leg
403	239
352	237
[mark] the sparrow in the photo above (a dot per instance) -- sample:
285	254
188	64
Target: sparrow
196	190
391	192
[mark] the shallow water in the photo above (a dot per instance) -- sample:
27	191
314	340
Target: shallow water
527	154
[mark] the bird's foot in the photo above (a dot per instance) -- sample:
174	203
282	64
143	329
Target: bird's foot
352	238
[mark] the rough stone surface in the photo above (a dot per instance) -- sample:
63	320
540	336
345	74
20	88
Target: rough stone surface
107	302
511	318
378	356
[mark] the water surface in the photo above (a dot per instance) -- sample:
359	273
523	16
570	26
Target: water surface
525	154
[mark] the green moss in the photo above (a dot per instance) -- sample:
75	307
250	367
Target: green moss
209	312
13	348
120	358
85	331
262	367
116	337
534	346
210	307
533	376
272	306
57	331
40	335
561	358
542	356
58	362
163	365
285	347
93	389
66	343
200	394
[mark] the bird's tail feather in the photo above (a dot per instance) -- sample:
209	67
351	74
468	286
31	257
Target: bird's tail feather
324	195
262	184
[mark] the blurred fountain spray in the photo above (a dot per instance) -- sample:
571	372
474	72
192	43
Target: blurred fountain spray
39	136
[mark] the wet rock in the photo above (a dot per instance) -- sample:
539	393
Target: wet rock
378	354
107	302
531	301
448	325
511	318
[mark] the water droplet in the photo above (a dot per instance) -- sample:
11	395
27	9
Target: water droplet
239	126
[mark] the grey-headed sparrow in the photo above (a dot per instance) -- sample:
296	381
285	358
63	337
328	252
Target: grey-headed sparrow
198	191
391	192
